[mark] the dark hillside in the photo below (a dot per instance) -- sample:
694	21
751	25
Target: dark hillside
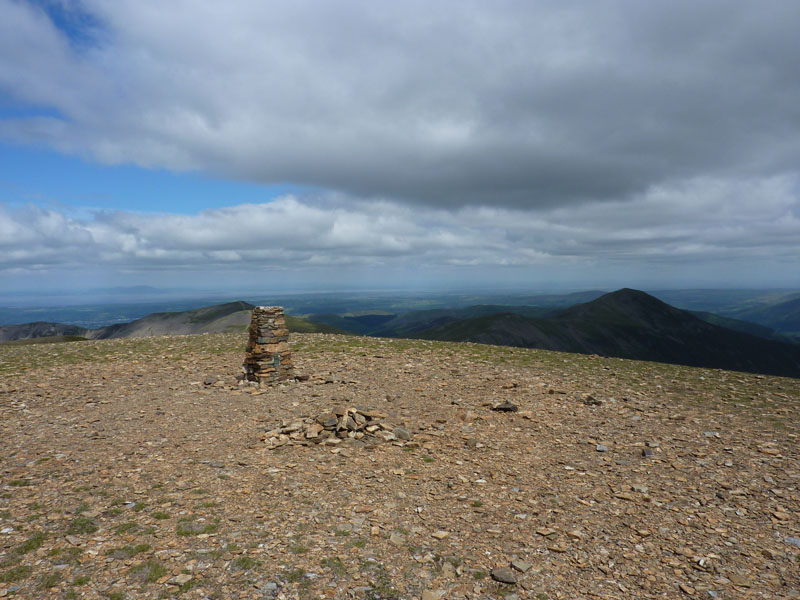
635	325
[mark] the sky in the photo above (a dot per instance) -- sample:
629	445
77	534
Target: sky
399	145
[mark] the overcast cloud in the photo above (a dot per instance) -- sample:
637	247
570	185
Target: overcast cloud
469	132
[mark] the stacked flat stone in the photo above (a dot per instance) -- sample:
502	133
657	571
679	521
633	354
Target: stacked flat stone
267	358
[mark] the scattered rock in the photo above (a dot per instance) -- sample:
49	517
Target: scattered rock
210	380
601	448
506	407
521	566
504	575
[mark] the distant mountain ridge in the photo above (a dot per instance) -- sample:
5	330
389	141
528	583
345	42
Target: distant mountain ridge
630	324
220	318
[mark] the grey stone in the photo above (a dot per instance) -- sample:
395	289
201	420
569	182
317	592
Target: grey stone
601	448
521	565
504	575
792	540
506	407
401	433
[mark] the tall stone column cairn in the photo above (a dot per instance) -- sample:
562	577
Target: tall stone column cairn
267	358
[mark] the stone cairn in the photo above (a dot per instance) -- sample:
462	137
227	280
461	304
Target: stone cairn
332	428
267	358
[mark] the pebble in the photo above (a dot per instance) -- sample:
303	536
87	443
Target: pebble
504	575
601	448
506	407
401	433
687	589
440	535
521	565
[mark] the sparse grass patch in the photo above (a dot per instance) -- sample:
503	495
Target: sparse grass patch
479	574
19	482
299	549
127	551
477	503
189	526
296	575
34	542
149	571
359	543
36	506
244	563
16	574
160	515
81	580
341	533
82	525
210	504
127	527
64	556
139	506
81	508
428	459
335	564
49	580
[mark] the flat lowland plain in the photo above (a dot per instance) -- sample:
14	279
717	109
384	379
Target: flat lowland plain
126	475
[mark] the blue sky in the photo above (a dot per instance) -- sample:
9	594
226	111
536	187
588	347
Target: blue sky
70	184
398	145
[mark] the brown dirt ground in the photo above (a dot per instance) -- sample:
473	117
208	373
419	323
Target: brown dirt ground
124	476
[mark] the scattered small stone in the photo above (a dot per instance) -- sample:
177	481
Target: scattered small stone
792	540
210	380
181	579
647	453
506	407
687	589
601	448
521	566
637	487
401	433
504	575
440	535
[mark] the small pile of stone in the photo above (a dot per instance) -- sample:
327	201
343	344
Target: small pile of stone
267	357
331	428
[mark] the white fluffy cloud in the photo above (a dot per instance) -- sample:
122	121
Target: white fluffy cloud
714	223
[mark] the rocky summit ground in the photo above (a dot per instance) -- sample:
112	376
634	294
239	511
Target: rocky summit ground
140	468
